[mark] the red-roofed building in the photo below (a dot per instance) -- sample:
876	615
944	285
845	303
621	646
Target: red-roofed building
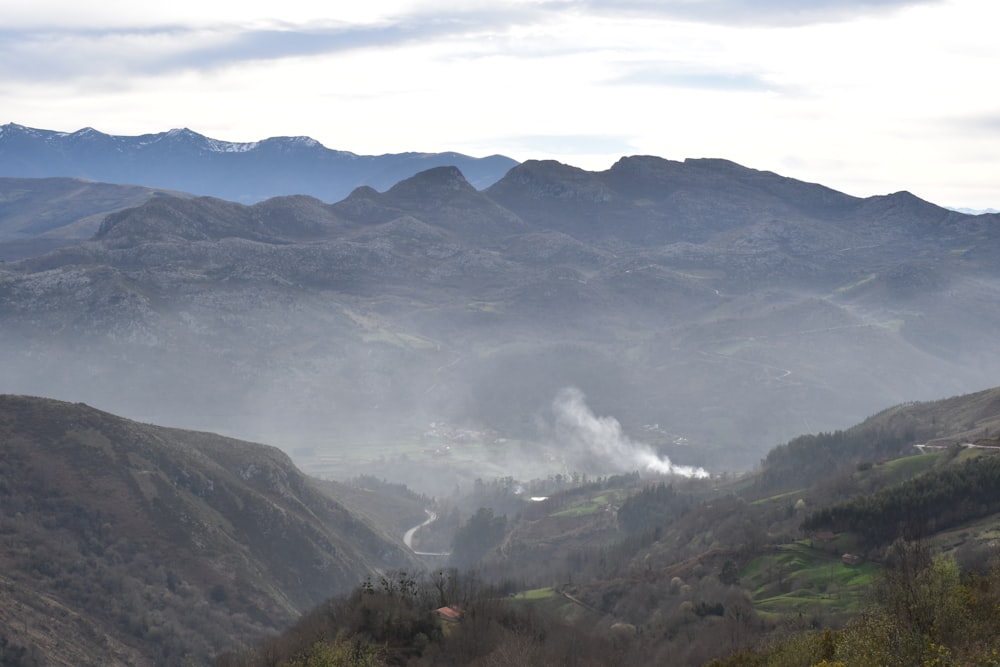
450	614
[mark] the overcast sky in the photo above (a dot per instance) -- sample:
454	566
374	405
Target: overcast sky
866	96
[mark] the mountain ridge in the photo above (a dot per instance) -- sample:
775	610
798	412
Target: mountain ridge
247	172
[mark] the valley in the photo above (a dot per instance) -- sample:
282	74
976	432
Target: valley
727	571
674	562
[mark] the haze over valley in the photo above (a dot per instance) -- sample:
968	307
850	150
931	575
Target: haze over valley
712	309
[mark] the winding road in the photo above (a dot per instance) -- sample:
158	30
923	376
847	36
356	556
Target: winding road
408	536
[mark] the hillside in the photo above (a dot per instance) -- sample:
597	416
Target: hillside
713	308
130	544
886	435
763	553
40	214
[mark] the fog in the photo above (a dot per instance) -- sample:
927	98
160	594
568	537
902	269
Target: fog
512	398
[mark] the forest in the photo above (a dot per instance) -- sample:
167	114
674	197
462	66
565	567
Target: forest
934	501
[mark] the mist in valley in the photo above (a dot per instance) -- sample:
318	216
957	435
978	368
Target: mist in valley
436	404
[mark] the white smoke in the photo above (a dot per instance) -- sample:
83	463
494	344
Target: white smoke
601	439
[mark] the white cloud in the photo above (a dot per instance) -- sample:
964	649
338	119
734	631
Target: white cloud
116	14
752	12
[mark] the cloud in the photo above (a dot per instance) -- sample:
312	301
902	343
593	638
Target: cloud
986	122
53	55
687	78
746	12
56	53
570	144
57	49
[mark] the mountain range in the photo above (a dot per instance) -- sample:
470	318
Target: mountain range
713	308
181	159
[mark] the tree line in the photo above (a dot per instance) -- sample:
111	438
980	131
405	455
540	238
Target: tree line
934	501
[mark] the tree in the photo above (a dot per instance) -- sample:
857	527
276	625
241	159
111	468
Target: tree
339	654
477	536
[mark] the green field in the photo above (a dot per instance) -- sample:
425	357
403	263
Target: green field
781	496
591	505
902	469
799	579
536	594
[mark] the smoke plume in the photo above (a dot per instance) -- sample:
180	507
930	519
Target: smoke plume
599	441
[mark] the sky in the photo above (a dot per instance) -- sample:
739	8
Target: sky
866	96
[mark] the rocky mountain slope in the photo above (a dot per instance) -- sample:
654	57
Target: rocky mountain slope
714	308
247	172
130	544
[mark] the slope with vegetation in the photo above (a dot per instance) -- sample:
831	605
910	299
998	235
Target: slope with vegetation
126	543
38	215
693	572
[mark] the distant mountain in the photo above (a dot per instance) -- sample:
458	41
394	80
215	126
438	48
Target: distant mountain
733	307
132	544
975	211
245	172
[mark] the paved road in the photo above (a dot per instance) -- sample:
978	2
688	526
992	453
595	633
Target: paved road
408	536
